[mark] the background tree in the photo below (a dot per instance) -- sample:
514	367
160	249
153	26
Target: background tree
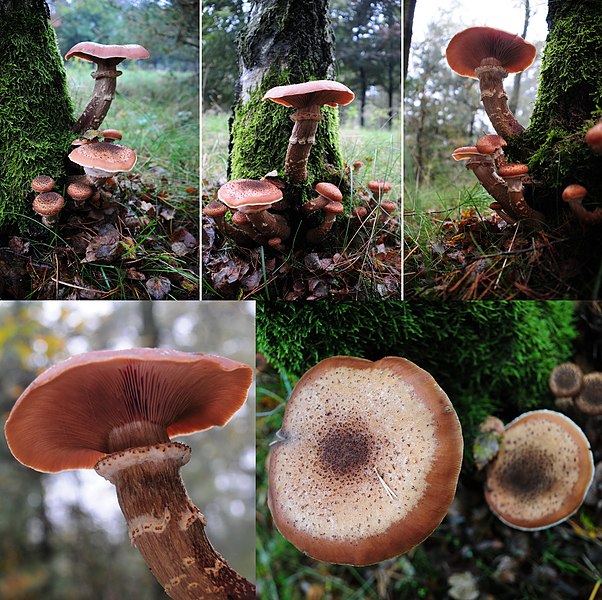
36	114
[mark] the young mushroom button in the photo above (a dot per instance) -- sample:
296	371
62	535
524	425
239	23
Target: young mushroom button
116	411
307	98
366	462
542	472
489	54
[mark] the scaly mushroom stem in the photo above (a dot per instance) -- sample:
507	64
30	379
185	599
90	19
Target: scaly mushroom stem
484	169
268	224
300	143
163	522
517	201
313	205
246	227
495	100
105	78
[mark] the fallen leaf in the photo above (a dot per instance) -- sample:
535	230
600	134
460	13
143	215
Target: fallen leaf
158	287
105	246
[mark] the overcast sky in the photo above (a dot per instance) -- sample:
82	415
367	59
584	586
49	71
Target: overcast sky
502	14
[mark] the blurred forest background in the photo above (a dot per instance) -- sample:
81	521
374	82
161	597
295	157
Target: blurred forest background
62	536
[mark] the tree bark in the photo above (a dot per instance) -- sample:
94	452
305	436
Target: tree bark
567	104
36	114
408	22
284	42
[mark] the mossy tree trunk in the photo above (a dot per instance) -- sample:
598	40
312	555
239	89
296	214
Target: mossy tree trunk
284	42
569	102
36	113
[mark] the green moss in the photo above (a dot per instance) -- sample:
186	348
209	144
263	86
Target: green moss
489	357
36	113
569	99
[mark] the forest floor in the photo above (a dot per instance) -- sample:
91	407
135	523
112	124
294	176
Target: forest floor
462	250
471	556
140	241
360	259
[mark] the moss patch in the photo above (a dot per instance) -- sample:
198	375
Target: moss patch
36	113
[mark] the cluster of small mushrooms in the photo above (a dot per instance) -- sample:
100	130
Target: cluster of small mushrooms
260	210
489	55
96	152
572	388
359	478
116	411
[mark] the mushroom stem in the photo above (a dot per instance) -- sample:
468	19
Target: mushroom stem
302	139
268	224
166	526
495	100
105	78
484	169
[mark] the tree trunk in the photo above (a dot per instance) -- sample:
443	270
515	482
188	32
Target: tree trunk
36	113
284	42
362	96
408	21
567	104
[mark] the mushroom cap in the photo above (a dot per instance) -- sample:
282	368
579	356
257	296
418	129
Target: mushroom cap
214	209
320	91
512	170
65	416
249	195
42	183
79	190
565	380
488	144
329	190
388	205
468	48
541	473
593	138
104	156
589	400
367	460
48	204
334	208
574	193
111	134
91	51
465	152
379	185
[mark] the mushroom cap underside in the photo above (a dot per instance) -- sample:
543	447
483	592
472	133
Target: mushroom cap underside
317	92
469	47
368	460
542	472
65	416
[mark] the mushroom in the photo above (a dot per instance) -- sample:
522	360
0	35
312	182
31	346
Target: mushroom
367	460
565	380
492	145
106	57
315	235
513	174
115	411
327	192
379	187
307	98
589	399
542	472
111	135
78	190
489	54
48	205
574	195
593	138
42	183
217	211
101	160
253	198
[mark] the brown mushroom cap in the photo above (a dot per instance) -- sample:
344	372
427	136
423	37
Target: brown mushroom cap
565	380
512	170
78	190
367	460
65	417
541	473
379	186
593	138
468	48
329	191
248	195
488	144
91	51
320	92
48	204
111	134
574	193
104	156
215	209
42	183
465	152
589	400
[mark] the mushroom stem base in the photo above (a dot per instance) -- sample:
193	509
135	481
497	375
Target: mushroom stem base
166	526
